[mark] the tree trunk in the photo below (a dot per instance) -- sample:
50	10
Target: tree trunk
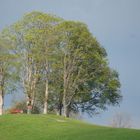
29	104
33	87
45	111
66	110
66	114
1	90
65	106
46	99
60	104
60	109
1	102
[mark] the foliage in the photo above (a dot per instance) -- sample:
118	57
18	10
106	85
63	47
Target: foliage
22	105
63	68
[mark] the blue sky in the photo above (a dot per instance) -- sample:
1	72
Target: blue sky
115	23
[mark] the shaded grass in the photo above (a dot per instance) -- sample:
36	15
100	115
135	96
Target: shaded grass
51	127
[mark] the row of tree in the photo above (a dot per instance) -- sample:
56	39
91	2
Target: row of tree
58	64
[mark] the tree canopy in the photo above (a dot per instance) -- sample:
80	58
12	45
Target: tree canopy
63	67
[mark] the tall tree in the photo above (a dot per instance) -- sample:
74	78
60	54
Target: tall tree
63	65
34	39
8	72
85	70
2	76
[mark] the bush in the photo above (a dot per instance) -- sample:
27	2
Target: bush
22	105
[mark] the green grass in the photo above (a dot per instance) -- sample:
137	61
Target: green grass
51	127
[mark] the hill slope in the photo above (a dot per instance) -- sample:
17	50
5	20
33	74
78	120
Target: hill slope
50	127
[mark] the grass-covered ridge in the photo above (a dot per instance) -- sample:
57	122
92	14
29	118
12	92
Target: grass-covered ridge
51	127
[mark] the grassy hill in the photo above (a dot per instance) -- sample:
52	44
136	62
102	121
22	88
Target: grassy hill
51	127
